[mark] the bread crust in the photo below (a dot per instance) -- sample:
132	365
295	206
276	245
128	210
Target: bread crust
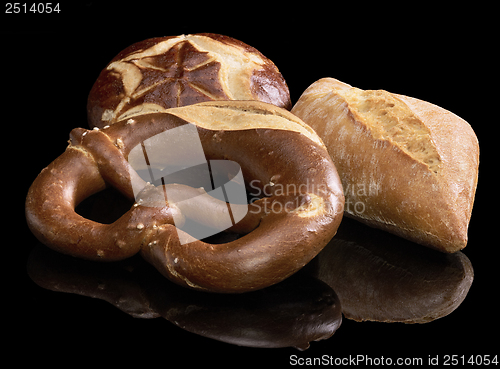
166	72
388	184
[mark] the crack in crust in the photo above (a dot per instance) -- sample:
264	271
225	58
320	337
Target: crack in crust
390	119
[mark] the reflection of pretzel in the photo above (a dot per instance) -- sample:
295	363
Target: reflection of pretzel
293	313
276	148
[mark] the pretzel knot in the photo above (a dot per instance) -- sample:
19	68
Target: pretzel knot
282	162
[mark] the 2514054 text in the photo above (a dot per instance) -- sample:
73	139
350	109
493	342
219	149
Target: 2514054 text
33	8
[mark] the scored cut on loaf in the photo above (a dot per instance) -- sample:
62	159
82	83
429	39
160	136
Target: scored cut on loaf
407	166
173	71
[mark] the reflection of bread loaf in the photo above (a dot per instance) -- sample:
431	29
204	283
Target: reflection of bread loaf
407	166
380	277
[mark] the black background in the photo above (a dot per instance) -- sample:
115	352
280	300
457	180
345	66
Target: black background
50	62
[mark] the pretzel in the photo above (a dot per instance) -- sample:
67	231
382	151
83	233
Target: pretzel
167	72
278	154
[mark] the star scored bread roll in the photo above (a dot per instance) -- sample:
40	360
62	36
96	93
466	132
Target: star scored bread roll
167	72
407	166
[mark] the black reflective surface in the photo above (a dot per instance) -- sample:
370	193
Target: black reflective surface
363	274
290	314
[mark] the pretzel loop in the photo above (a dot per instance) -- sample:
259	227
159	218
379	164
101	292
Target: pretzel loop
286	229
66	182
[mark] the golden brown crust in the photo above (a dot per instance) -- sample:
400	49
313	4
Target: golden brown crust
287	228
173	71
407	166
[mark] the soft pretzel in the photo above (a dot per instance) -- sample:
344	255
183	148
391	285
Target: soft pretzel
166	72
278	154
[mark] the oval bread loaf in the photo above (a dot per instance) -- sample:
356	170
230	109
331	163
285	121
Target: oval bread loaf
407	166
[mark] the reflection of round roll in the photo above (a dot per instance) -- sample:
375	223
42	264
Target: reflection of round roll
380	277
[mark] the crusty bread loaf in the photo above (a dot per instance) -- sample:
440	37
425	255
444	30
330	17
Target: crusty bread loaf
407	166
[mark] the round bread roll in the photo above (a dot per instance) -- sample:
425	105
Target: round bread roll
166	72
